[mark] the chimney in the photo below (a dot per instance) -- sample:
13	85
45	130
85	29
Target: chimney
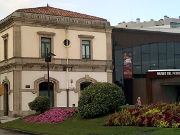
138	20
166	17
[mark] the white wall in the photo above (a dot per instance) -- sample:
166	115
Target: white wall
26	98
73	98
31	42
62	99
28	78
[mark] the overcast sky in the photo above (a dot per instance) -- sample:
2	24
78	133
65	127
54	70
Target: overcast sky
114	11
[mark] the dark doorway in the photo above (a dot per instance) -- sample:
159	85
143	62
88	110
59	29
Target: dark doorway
178	94
171	93
43	91
128	90
6	99
83	85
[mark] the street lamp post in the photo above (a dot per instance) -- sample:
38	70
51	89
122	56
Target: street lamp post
47	60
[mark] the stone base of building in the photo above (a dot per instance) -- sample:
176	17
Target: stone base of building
1	113
17	113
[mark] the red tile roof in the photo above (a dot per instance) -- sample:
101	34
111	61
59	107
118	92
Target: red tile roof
58	12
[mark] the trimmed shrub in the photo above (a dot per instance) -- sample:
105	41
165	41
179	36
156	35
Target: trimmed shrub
40	104
99	99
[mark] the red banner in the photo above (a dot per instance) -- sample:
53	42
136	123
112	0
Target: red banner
127	65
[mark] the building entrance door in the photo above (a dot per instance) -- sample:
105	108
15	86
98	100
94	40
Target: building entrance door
6	99
43	91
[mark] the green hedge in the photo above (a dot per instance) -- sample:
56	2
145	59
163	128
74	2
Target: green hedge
99	99
40	104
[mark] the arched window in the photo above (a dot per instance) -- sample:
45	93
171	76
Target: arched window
83	85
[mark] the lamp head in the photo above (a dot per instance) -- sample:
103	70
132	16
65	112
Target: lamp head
50	54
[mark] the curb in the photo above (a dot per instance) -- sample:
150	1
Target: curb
20	131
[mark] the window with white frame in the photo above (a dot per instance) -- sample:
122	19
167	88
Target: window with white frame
46	43
86	51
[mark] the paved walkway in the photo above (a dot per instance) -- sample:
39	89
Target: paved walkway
8	132
5	119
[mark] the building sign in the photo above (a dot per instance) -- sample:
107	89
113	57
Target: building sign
166	73
127	65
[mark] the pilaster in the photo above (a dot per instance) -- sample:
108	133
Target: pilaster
17	96
17	41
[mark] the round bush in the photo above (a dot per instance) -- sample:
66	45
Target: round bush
99	99
40	104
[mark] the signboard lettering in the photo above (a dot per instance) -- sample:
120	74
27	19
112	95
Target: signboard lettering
166	73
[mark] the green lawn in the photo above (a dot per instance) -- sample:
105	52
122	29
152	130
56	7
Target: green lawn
78	126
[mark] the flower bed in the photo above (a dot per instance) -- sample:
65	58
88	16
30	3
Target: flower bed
53	116
155	115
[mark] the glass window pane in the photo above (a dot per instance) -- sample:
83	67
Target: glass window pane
45	46
145	58
177	47
162	55
45	40
162	61
137	55
43	50
136	69
83	50
87	42
118	65
154	55
48	48
87	51
127	49
145	63
145	49
177	61
170	54
162	47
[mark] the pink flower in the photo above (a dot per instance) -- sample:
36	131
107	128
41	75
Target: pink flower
53	116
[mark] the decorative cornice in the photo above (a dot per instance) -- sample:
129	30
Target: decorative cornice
38	64
5	36
52	20
44	33
86	36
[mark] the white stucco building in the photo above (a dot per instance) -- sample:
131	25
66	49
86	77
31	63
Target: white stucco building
26	34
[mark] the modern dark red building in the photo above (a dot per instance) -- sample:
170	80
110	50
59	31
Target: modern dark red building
147	64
